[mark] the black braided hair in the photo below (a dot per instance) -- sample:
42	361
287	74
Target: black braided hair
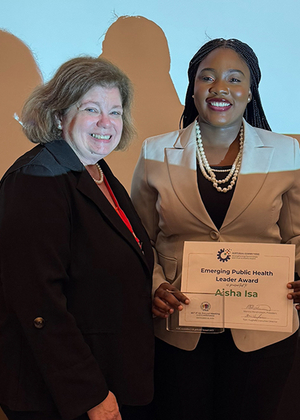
254	113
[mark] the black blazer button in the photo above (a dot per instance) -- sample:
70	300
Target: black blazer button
39	322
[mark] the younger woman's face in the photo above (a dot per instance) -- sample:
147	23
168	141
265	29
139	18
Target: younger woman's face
222	88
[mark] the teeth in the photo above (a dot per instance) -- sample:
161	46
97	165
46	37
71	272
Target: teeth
220	104
100	137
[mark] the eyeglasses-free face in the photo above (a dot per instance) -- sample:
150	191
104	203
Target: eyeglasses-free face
222	88
93	127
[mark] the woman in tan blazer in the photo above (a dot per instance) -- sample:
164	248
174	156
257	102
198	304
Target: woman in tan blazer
223	177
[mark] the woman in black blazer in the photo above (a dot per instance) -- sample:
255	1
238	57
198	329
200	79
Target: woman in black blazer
76	339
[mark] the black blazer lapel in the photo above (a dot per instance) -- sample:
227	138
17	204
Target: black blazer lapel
68	159
87	187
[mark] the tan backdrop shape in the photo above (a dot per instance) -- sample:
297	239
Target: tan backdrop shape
19	74
139	47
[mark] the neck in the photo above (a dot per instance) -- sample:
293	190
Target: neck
219	137
221	145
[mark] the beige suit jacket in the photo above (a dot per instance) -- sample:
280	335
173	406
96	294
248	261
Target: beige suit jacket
265	208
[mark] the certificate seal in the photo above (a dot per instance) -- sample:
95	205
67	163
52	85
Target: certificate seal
205	306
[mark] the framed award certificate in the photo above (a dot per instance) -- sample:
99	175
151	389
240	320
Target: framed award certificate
237	285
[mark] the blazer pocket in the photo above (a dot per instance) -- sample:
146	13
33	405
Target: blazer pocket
169	265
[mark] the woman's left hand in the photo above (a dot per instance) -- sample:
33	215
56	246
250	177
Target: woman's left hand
295	295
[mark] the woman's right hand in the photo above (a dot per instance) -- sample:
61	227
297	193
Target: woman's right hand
167	299
107	410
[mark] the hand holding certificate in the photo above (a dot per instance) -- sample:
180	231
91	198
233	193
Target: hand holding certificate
167	300
237	285
295	293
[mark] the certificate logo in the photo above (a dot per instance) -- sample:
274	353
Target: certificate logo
224	255
205	306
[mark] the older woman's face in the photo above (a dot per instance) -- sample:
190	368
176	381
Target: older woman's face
93	126
222	88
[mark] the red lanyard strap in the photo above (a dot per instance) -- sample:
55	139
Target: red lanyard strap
121	212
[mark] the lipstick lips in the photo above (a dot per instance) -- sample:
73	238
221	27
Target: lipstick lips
218	104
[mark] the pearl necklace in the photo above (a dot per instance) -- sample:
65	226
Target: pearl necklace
99	181
209	173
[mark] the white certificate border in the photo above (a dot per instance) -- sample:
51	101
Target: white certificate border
195	247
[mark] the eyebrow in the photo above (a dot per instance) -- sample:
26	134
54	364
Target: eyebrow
97	103
229	71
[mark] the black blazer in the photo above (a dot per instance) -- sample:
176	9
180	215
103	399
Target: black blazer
75	289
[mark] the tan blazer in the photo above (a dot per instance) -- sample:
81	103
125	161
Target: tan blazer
265	208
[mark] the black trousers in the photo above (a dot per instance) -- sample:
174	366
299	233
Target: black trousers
217	381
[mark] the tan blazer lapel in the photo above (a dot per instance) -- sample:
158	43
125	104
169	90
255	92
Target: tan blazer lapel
181	162
256	161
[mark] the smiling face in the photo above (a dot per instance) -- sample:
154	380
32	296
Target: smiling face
93	126
222	88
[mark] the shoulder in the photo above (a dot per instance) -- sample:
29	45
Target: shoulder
39	179
41	172
31	163
166	139
269	138
174	139
53	158
284	150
